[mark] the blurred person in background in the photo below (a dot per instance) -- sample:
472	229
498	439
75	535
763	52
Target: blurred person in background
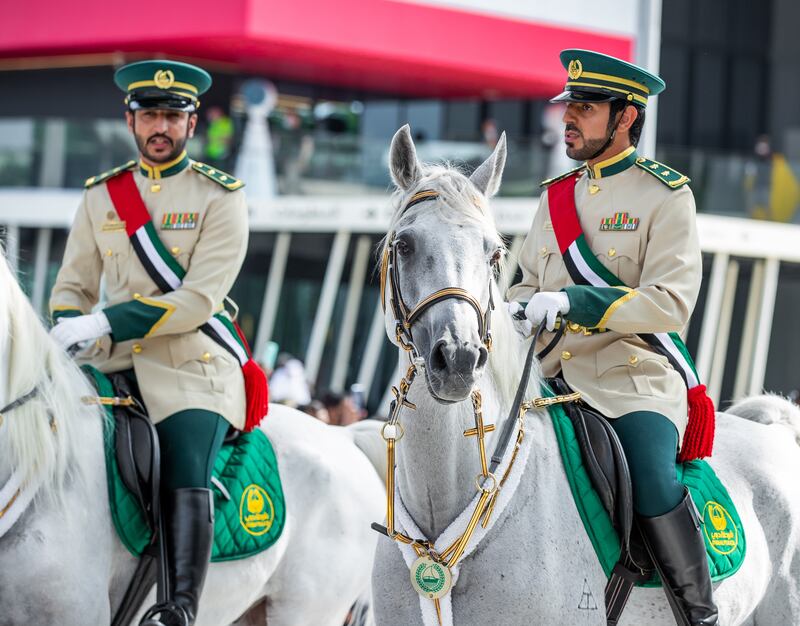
288	384
342	408
317	409
219	138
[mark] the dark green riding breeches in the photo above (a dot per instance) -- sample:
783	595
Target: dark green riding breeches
190	441
650	441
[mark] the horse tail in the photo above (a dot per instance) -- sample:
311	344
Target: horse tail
769	409
366	434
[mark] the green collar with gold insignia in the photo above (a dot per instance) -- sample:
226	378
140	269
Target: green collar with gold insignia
165	170
616	164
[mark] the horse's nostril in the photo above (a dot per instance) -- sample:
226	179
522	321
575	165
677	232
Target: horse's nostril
438	358
482	357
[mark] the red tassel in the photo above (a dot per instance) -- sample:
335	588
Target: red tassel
257	394
698	440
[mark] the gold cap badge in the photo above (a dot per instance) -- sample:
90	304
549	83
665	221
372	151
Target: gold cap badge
164	79
575	69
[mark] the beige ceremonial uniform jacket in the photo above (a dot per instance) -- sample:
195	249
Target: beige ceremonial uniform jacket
615	370
177	367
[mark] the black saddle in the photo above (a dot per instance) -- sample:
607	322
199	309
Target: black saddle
136	449
605	462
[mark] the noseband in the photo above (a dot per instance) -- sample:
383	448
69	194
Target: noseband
405	317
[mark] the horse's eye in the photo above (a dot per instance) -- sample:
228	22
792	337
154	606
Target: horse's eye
402	247
497	256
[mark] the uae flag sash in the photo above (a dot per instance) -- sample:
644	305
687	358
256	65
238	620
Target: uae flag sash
585	269
167	273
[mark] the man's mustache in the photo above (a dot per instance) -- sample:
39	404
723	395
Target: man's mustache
573	128
159	137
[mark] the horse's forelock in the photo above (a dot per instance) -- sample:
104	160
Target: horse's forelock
459	200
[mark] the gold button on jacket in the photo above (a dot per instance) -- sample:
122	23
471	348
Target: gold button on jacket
616	371
177	366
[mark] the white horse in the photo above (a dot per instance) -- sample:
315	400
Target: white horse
535	564
61	562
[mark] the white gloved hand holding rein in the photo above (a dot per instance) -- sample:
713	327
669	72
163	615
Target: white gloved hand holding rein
546	306
76	330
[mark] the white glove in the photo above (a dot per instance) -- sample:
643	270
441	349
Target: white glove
522	326
546	306
77	330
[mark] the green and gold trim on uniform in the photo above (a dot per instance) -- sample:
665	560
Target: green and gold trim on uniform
64	311
137	318
592	307
165	170
616	164
632	94
231	183
101	178
671	178
165	79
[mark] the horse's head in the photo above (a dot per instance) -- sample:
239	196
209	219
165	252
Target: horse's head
438	266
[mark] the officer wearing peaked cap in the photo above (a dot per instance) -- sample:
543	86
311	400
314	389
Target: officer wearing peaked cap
169	236
614	250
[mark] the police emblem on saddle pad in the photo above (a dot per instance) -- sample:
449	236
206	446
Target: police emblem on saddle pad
722	527
249	505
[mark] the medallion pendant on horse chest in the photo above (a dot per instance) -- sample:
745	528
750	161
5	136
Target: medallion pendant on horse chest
430	578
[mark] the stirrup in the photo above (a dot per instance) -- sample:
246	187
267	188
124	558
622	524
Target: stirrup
172	608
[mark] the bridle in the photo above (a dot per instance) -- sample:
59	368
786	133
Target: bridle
405	317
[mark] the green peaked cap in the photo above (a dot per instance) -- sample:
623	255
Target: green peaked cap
162	84
596	77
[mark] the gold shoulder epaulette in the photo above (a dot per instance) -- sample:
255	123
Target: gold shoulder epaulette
665	174
101	178
231	183
555	179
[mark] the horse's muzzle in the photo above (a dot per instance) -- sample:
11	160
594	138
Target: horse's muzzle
454	367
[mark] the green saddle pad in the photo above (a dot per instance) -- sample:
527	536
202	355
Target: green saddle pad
722	527
249	515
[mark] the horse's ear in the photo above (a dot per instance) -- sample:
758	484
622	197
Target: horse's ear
403	163
489	174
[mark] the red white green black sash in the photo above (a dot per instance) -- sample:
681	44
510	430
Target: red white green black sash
168	275
585	269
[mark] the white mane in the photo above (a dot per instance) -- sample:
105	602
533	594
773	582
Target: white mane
34	360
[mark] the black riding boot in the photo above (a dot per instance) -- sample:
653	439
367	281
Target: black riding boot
676	541
189	533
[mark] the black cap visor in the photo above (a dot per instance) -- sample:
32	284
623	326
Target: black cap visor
159	99
583	96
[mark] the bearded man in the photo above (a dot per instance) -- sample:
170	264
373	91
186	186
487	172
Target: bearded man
169	236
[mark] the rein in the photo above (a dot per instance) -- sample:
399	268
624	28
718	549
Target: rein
19	402
487	484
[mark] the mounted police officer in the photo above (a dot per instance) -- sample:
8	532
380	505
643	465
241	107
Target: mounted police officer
169	236
614	250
